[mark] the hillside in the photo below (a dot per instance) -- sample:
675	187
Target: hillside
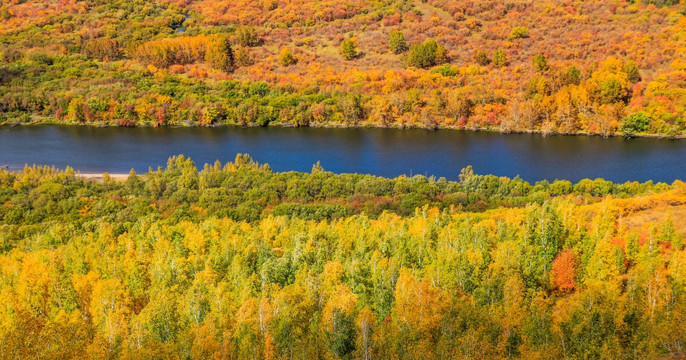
555	66
239	262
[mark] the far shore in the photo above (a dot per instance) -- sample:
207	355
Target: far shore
362	125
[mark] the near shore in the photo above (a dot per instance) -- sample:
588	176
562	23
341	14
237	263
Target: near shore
99	176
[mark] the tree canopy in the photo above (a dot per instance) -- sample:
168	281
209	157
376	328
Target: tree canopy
237	261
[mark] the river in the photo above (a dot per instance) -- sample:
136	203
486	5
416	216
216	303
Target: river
384	152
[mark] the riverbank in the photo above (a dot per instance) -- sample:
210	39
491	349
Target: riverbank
362	125
101	176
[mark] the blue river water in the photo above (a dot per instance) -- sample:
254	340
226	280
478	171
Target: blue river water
384	152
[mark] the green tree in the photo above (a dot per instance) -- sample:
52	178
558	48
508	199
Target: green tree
635	123
544	232
75	110
286	57
133	182
631	71
243	57
342	336
540	63
481	58
351	107
572	76
5	14
426	54
247	36
669	234
349	49
500	59
519	32
396	42
220	54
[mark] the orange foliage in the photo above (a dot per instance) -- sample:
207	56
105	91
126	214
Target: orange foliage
564	270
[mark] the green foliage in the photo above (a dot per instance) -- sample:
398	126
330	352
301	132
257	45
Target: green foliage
660	3
500	59
670	235
75	111
445	70
41	58
631	71
247	36
519	32
544	236
242	57
286	57
540	63
396	42
5	13
635	123
238	261
612	90
220	54
351	108
538	85
342	335
349	49
482	58
427	54
572	76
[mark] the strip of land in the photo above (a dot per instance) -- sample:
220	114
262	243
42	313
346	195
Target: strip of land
99	176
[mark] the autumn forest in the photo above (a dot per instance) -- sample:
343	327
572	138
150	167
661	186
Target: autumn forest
237	261
555	66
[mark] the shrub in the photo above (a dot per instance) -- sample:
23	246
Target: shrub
41	58
445	70
349	49
177	51
519	32
481	58
572	76
102	49
247	36
220	55
396	42
631	71
635	123
286	57
242	57
426	54
499	58
540	63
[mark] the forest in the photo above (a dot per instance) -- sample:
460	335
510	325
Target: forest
236	261
554	66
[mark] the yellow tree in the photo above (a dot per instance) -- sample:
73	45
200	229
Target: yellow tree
416	315
366	322
337	314
109	308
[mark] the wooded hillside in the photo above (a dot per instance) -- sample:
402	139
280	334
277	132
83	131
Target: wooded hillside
555	66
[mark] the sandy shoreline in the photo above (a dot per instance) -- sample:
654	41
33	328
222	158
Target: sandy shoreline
98	176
